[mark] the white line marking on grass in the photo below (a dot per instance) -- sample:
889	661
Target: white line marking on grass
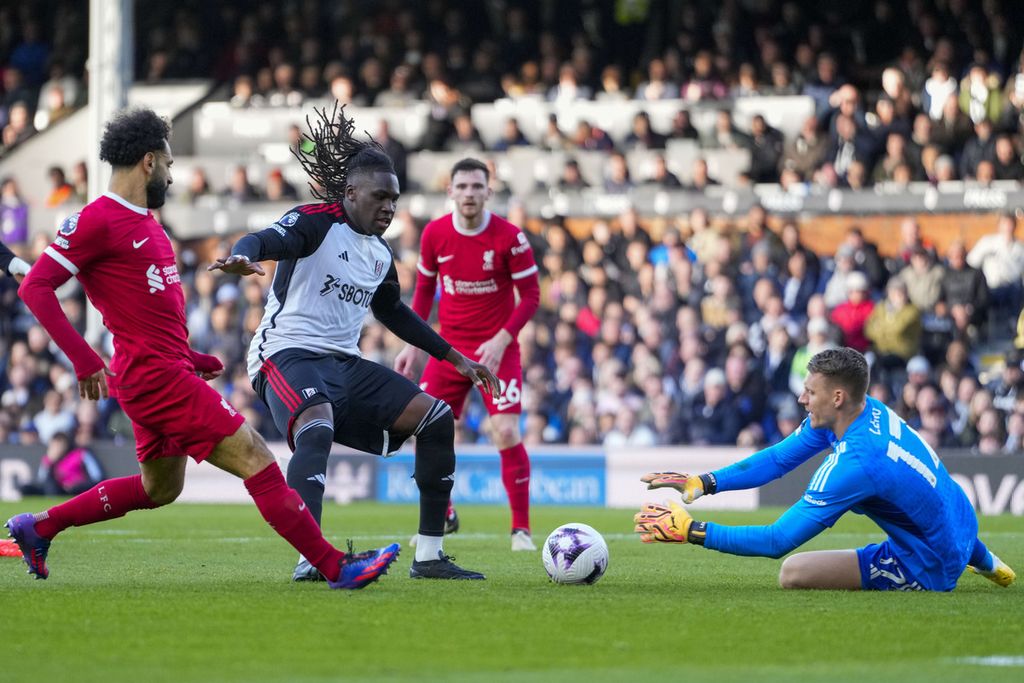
993	660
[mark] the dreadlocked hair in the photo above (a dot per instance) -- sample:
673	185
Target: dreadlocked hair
329	154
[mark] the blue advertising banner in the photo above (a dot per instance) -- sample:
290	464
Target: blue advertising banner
556	478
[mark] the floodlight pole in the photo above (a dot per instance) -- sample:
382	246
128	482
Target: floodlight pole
111	47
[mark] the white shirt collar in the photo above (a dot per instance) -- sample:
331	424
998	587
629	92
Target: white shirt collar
125	203
471	233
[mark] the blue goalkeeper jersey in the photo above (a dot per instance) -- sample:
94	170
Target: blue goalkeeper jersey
881	468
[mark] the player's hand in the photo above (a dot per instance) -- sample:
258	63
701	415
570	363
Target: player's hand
689	485
407	360
94	387
208	367
19	269
659	524
476	372
492	351
236	264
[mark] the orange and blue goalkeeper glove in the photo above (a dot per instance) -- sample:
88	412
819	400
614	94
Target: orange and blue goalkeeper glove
691	486
673	524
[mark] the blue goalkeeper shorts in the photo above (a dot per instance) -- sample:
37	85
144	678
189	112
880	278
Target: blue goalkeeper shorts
881	570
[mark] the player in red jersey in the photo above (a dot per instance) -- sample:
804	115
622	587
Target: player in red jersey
482	260
126	265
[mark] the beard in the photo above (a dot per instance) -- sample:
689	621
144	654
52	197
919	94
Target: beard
156	193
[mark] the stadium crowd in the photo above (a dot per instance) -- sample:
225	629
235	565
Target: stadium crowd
694	329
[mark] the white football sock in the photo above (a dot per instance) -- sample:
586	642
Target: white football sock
428	547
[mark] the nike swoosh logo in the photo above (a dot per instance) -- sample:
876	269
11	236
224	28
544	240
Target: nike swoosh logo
302	506
445	259
523	480
139	243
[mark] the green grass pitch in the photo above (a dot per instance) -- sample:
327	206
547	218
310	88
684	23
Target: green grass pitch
201	593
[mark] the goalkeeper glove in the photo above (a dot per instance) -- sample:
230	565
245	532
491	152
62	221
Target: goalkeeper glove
18	267
692	486
673	524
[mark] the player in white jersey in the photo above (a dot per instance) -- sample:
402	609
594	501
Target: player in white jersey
304	361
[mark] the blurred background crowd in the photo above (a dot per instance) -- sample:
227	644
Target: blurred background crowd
693	328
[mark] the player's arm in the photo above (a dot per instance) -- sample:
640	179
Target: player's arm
523	270
409	358
295	235
11	264
38	291
760	468
834	489
388	308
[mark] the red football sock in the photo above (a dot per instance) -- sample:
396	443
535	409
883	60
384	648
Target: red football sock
109	499
287	515
515	474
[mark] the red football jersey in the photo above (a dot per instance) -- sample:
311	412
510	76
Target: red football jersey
477	272
126	265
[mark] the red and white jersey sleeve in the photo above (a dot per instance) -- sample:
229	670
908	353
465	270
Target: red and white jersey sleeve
477	273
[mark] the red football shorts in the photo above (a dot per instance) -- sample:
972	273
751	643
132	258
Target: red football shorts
441	380
179	415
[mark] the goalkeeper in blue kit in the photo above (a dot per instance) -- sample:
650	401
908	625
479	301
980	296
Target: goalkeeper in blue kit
877	466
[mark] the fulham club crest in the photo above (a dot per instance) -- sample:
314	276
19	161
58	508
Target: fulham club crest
378	268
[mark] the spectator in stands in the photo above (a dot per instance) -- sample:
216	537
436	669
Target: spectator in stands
847	144
239	188
568	88
54	109
980	97
278	189
198	186
700	180
553	138
642	136
395	150
660	175
511	136
979	148
704	84
657	86
465	138
953	129
825	82
964	291
805	151
818	339
939	87
852	315
712	419
1007	163
682	127
782	81
18	129
766	147
895	155
64	469
13	214
894	328
725	134
747	84
798	286
617	179
53	418
1010	382
400	92
571	178
61	190
1000	257
612	89
922	279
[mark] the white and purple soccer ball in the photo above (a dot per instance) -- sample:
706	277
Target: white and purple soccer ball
575	553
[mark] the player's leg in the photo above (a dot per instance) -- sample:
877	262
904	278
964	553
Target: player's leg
506	435
107	500
245	455
384	409
822	569
986	563
443	382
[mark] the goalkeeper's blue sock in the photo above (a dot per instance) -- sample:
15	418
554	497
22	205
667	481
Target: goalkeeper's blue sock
981	558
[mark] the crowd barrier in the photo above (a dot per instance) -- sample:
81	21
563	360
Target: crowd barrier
563	475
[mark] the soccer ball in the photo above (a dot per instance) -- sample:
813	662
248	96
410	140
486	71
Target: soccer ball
575	553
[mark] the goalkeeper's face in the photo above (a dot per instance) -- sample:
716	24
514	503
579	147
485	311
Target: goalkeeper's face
820	400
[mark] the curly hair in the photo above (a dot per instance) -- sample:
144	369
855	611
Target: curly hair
330	155
131	134
844	366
